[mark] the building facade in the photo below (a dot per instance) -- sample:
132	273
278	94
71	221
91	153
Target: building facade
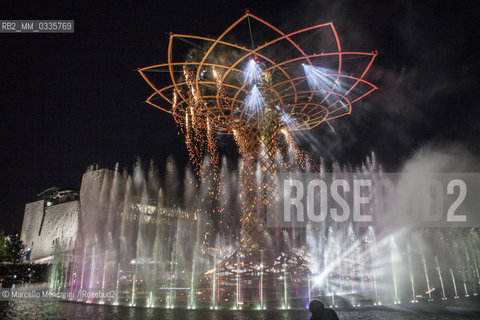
49	224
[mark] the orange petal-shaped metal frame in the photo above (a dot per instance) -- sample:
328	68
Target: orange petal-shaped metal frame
220	95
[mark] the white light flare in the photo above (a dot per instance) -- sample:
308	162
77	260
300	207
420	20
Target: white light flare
252	72
254	102
287	119
318	78
325	80
332	129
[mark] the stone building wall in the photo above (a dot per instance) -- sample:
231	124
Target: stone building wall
46	227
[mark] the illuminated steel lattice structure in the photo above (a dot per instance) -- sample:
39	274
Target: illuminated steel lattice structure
290	82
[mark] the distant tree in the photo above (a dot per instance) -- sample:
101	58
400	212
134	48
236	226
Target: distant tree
3	247
15	248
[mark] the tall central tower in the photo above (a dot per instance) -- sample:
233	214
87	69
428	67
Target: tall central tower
258	93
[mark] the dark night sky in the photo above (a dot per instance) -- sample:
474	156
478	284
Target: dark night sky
70	100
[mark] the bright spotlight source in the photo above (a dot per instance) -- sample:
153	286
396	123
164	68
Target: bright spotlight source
318	279
288	121
318	78
252	72
323	80
254	102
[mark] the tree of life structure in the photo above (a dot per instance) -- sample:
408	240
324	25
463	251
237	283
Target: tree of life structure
258	93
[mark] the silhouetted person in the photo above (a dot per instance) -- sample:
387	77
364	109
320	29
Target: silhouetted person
319	312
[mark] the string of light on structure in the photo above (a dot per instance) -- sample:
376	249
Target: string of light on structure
214	98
